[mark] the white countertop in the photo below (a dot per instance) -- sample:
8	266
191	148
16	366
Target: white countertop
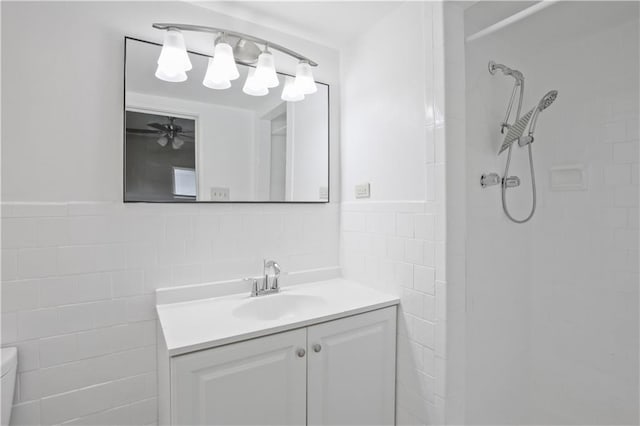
207	323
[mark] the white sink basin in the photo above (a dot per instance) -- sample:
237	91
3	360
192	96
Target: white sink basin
215	321
277	306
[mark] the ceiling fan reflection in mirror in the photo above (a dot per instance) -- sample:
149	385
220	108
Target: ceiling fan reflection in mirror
168	132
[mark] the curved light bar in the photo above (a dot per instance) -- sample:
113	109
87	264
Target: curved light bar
243	36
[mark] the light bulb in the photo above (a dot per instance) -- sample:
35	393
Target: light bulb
266	70
223	67
289	93
210	81
176	143
162	141
304	82
252	86
174	56
170	75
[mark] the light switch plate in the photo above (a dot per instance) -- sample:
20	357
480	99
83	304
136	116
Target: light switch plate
363	190
219	194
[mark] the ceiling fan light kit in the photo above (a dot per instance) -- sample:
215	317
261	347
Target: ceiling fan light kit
169	132
174	62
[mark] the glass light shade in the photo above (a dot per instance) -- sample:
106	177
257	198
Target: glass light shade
252	86
304	82
266	70
177	143
289	93
170	75
210	81
162	141
174	54
223	67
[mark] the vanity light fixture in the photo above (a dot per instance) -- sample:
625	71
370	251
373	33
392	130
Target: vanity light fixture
253	86
290	93
266	69
223	65
304	82
174	62
213	80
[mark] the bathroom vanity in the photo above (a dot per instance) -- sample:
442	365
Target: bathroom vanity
318	353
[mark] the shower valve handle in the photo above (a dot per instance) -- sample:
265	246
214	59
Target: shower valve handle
489	179
511	181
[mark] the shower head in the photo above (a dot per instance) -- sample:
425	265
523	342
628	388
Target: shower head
547	100
515	131
544	103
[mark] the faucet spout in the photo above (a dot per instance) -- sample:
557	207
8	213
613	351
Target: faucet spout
271	265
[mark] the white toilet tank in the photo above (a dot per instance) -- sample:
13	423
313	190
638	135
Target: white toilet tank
9	368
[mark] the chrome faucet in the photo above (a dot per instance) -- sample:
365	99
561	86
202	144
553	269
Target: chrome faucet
264	287
271	264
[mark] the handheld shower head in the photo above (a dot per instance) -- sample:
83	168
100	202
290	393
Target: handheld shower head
547	100
544	103
517	129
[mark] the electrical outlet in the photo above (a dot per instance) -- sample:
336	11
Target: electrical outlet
363	190
219	194
324	193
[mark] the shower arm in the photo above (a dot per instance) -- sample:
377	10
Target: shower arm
519	85
505	123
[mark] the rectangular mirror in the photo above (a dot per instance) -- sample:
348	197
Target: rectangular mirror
184	142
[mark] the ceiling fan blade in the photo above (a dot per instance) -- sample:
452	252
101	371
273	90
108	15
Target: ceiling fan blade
144	131
162	127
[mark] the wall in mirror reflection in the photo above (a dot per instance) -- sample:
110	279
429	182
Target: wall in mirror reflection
185	142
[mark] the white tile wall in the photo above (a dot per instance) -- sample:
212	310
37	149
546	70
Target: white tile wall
78	277
399	246
79	305
552	322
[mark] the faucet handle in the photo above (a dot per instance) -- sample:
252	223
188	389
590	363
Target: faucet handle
254	285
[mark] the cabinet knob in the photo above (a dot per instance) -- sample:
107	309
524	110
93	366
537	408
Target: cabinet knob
317	347
301	352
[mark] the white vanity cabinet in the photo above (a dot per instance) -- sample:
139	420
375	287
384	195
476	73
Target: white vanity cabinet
351	370
336	372
259	381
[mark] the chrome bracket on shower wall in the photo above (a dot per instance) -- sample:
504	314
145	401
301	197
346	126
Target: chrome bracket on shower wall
492	179
489	179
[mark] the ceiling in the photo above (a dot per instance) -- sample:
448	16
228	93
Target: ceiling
330	23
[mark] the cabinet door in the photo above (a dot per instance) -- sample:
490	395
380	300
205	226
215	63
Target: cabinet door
351	376
256	382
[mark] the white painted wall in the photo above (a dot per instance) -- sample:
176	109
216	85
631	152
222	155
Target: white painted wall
384	110
94	34
456	180
79	268
392	138
552	312
310	167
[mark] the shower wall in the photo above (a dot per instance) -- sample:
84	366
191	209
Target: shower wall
552	305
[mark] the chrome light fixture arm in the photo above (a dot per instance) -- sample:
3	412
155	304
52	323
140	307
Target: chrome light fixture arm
239	35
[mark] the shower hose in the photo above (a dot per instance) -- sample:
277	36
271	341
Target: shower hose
533	186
